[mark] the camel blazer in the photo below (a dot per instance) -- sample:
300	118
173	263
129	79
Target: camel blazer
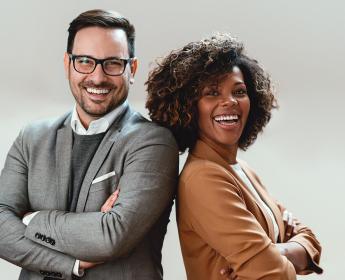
221	224
136	155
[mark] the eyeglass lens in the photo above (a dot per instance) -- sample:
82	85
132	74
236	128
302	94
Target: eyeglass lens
87	65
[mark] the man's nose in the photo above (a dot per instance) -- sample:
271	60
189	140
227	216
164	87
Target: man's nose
98	76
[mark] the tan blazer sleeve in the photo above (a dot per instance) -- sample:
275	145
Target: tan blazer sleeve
305	237
219	215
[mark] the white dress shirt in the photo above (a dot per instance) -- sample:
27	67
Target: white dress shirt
97	126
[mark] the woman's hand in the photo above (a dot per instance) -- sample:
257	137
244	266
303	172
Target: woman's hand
290	225
228	273
108	205
295	253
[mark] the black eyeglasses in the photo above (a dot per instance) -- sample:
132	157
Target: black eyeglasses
111	66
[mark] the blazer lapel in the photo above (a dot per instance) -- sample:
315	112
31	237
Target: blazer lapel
99	157
202	150
275	210
63	155
269	202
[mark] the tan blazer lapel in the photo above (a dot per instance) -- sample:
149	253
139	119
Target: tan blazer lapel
63	155
268	200
202	150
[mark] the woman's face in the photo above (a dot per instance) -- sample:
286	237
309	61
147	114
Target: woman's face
223	111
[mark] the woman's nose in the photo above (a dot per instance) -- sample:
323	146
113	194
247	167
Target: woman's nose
229	100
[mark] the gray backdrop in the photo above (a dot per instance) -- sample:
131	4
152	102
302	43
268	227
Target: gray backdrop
300	156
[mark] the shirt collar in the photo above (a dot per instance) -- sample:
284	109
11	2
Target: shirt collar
97	126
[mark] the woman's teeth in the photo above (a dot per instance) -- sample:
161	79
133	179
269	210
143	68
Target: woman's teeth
226	118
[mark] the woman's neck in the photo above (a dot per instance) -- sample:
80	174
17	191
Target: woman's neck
227	152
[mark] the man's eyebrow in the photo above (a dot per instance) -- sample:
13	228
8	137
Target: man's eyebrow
90	56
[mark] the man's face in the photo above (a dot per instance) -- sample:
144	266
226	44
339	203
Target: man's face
96	94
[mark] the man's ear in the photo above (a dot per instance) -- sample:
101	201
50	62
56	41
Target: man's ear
66	62
134	66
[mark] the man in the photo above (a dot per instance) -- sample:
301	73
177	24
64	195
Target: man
59	174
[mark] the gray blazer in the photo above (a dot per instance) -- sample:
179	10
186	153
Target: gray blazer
135	154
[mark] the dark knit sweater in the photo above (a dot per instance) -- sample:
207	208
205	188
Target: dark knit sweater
84	148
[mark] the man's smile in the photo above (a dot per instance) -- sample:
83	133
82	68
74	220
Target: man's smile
98	91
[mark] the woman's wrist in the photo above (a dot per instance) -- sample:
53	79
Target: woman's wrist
295	253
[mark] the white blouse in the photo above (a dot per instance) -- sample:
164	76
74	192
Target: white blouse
240	173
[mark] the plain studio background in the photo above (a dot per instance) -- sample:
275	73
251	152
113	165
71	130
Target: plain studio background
300	155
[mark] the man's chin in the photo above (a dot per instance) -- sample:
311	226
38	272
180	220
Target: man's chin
97	114
98	110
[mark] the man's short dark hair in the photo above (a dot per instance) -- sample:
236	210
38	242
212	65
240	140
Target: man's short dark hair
101	18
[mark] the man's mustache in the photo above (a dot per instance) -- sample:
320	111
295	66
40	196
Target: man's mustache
100	85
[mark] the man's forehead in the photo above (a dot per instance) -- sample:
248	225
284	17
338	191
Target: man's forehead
94	32
93	38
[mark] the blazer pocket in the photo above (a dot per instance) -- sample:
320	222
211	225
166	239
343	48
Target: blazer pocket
106	182
99	192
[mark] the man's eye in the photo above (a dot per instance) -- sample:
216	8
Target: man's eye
84	60
113	62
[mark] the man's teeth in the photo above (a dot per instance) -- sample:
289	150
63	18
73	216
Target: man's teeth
98	90
226	118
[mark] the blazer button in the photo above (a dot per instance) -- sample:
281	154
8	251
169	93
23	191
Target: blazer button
52	242
45	273
57	274
38	235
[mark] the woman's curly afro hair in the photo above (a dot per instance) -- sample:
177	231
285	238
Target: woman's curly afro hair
174	87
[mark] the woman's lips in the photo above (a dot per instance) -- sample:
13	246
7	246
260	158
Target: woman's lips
227	121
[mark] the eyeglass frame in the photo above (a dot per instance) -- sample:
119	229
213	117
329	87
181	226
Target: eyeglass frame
73	57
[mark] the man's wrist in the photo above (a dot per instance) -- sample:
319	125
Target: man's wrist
77	270
27	219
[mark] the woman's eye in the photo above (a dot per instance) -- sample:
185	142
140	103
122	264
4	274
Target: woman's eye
240	92
212	93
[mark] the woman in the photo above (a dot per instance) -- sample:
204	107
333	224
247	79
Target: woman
215	100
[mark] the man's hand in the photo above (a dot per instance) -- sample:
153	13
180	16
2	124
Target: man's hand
228	273
110	201
106	207
86	265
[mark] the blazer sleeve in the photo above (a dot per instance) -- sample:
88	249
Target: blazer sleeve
220	217
14	203
305	237
148	185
